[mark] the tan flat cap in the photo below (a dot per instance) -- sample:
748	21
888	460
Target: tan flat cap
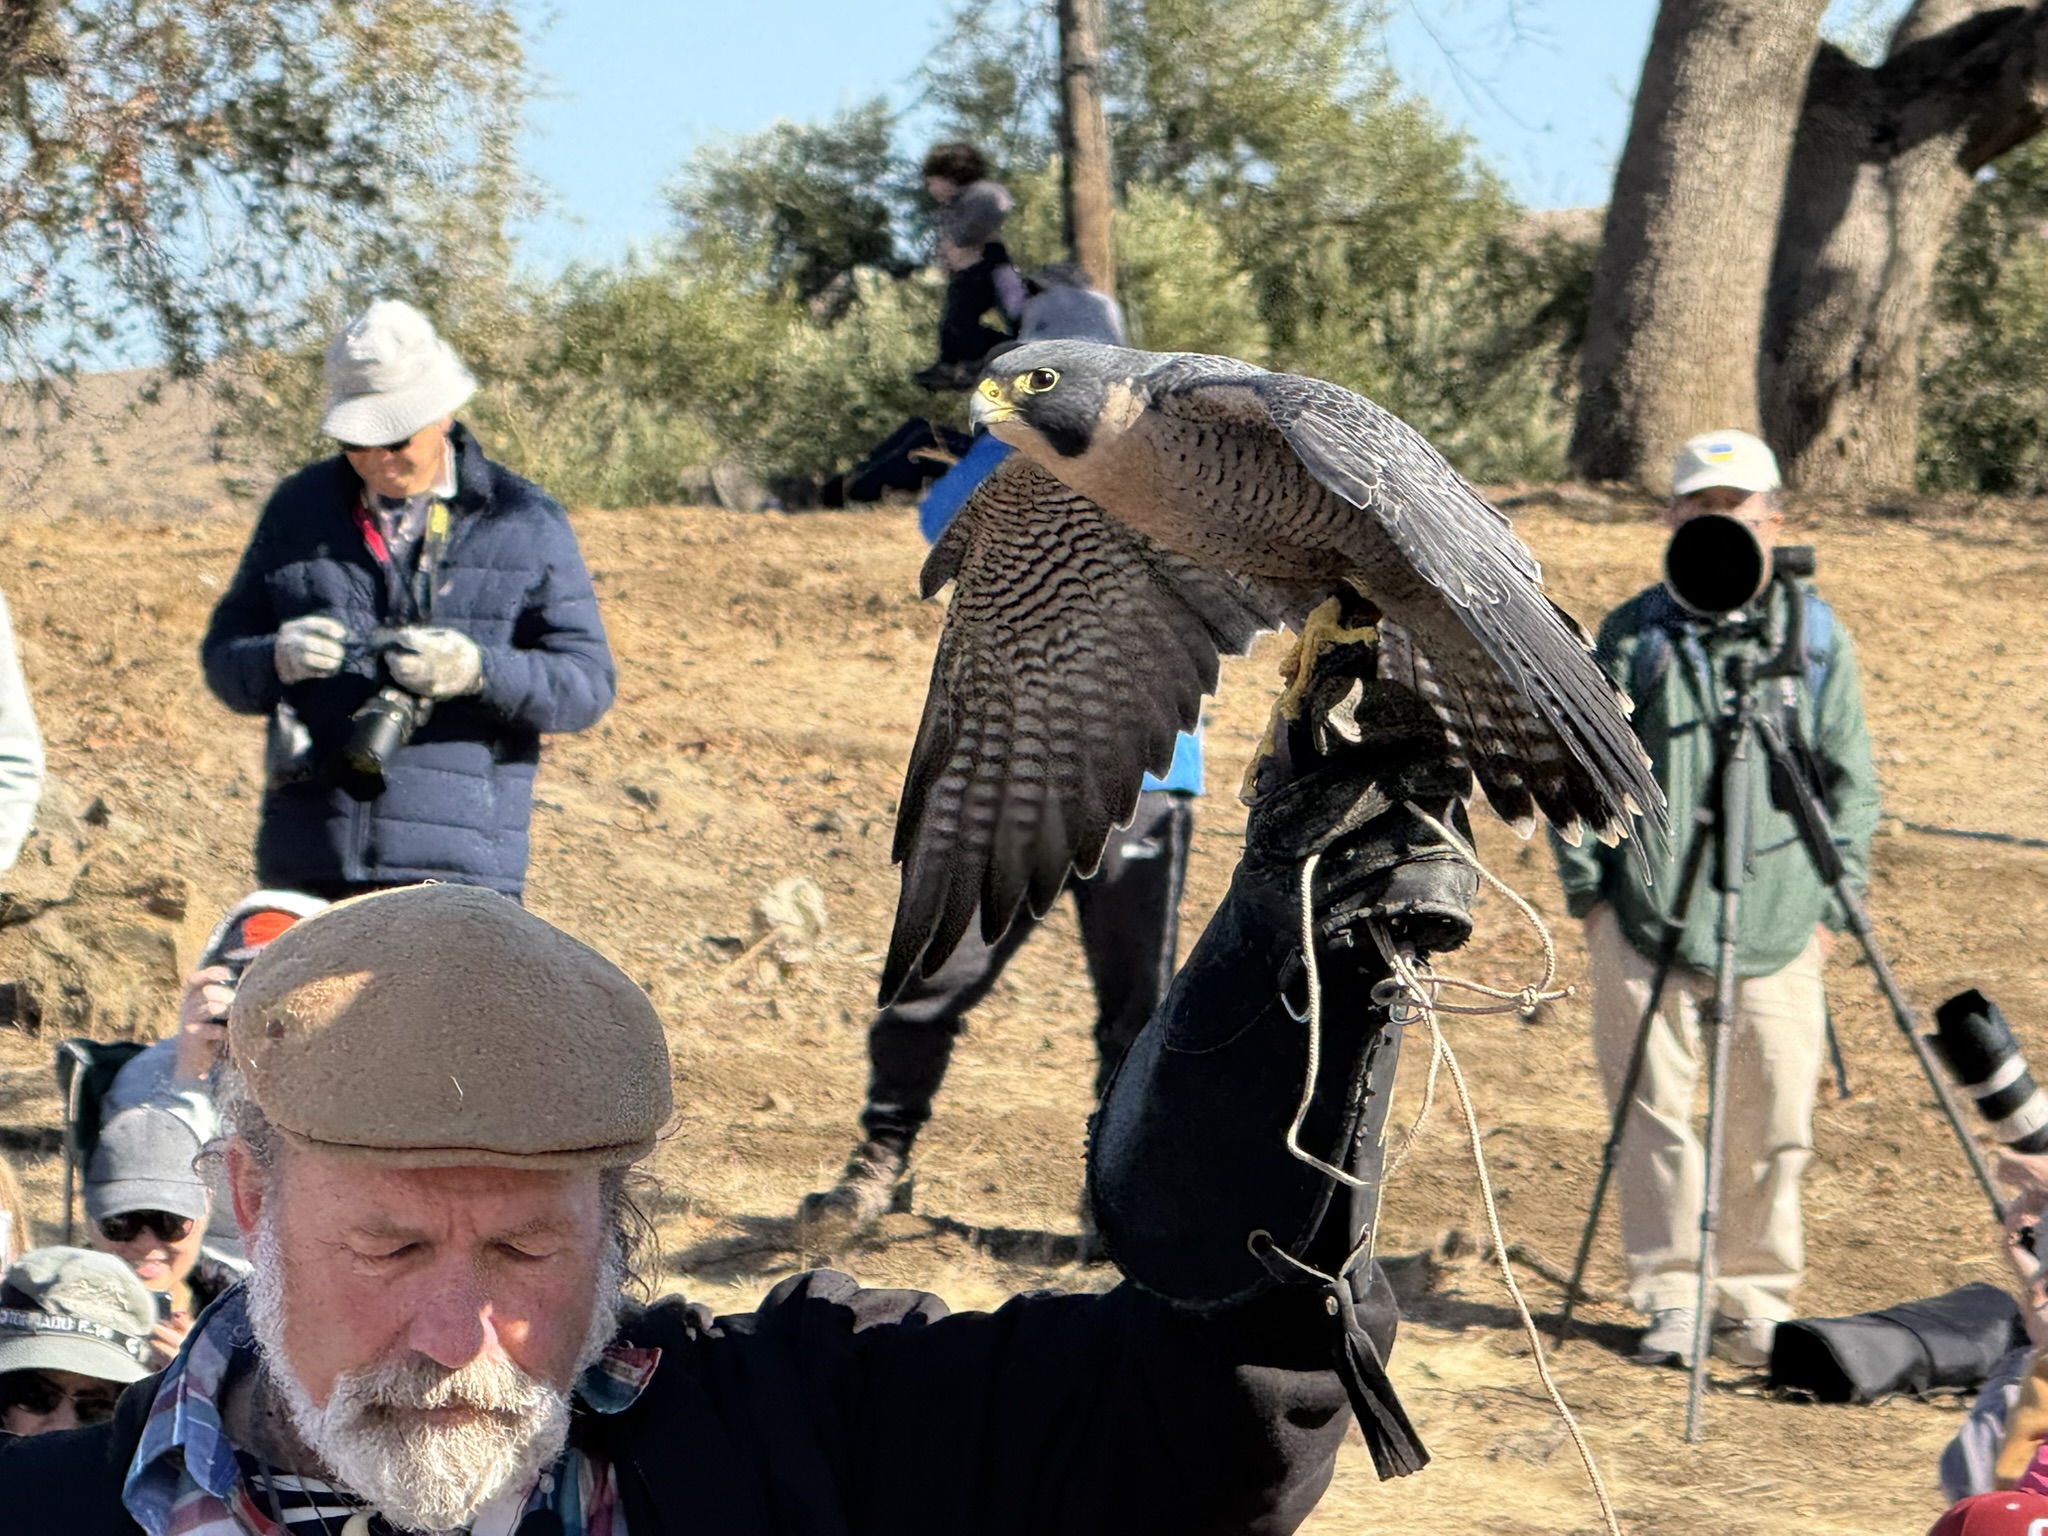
445	1026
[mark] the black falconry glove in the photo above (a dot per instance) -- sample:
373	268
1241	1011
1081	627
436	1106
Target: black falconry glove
1195	1192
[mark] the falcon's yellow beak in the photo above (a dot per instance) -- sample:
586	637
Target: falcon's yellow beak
991	404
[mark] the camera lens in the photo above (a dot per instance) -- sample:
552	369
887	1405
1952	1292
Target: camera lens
1715	564
1980	1050
378	730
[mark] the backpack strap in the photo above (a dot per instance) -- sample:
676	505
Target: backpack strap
1654	645
1820	643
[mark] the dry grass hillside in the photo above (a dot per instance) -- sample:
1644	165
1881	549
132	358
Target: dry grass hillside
772	670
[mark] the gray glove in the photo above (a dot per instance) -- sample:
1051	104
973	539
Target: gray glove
434	663
309	647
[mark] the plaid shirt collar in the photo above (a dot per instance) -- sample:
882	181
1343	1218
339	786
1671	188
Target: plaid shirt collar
184	1480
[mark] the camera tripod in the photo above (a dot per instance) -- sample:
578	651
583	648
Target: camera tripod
1721	831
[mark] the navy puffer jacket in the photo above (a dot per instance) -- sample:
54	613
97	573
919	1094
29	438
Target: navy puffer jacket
458	797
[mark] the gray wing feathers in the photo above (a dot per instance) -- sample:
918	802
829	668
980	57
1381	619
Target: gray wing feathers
1073	651
1538	720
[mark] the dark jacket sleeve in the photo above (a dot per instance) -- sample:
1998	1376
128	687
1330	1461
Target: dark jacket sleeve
239	651
556	674
1069	1413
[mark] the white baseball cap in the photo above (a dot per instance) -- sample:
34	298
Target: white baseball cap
1730	458
389	374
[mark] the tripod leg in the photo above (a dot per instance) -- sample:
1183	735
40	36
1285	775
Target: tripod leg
1710	1205
1812	821
1835	1053
1903	1016
1731	857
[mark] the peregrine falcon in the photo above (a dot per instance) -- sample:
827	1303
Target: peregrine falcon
1161	509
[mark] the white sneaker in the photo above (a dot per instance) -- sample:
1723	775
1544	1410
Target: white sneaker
1668	1339
1745	1341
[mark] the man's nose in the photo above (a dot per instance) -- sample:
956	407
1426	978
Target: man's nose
452	1322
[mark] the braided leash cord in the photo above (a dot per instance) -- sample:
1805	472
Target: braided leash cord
1410	995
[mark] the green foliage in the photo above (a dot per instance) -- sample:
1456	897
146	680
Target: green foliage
1284	201
798	204
828	393
182	175
1182	289
1280	200
1984	362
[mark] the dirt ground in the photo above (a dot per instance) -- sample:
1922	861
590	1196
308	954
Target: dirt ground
772	670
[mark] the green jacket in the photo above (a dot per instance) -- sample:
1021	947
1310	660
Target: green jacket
1677	684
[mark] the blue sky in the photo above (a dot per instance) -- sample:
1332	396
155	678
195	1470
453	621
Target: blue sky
633	85
1543	85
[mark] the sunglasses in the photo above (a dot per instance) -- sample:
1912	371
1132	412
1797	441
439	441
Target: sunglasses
130	1225
398	447
42	1397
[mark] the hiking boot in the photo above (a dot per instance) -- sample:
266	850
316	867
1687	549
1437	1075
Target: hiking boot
1668	1339
1745	1342
876	1182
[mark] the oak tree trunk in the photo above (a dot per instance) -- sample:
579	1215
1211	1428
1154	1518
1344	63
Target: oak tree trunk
1884	158
1678	291
1084	142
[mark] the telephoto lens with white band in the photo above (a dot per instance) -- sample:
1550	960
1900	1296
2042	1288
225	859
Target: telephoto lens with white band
1980	1050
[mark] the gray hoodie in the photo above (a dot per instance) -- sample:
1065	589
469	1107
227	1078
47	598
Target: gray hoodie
975	214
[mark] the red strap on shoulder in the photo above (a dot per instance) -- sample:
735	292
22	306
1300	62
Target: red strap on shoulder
373	536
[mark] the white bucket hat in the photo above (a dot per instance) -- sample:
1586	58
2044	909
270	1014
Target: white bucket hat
389	374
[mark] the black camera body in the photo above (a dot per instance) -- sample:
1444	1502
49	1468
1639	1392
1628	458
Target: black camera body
378	729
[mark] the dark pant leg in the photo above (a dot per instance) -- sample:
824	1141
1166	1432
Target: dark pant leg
911	1040
889	465
1130	921
970	294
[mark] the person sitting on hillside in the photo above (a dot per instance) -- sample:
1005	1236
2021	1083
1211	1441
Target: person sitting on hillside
979	276
148	1208
413	618
74	1330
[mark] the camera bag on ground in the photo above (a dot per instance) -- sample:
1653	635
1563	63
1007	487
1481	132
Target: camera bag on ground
1948	1342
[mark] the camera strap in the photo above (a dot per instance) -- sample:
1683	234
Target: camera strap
432	547
411	598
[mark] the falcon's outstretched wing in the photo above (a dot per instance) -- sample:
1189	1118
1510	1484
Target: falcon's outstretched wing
1074	650
1509	672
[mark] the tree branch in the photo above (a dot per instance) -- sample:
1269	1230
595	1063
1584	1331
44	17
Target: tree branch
1981	81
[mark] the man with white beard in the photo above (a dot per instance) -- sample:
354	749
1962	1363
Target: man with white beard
435	1100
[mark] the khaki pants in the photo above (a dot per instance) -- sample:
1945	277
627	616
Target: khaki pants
1774	1059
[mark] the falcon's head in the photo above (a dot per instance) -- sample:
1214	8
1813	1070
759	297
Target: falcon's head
1058	399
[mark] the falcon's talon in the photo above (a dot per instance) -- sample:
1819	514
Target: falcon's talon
1322	631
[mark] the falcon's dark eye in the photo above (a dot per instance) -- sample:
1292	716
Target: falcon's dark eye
1037	381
